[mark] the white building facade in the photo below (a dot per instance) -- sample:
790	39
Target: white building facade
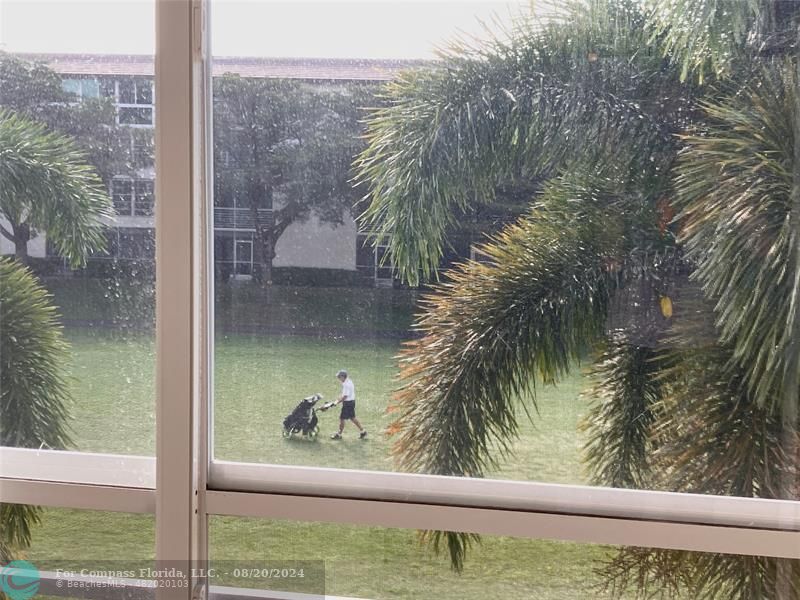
128	82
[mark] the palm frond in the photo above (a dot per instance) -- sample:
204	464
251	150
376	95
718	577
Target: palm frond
619	424
492	329
48	185
667	574
711	437
15	534
702	37
34	393
457	544
514	109
740	223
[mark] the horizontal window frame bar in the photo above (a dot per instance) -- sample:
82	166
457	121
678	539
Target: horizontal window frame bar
59	494
217	592
123	483
691	537
525	496
85	468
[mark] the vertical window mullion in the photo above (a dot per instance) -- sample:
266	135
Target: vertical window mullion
180	479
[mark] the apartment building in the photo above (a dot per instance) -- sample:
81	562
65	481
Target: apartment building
128	82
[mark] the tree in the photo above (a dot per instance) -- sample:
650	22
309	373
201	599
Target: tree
666	135
34	394
284	147
48	187
35	91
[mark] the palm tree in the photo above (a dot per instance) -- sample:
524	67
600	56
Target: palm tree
48	187
34	395
669	161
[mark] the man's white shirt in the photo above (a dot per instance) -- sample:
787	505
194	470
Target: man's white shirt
348	390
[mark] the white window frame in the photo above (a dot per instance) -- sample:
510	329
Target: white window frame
151	106
237	260
133	195
377	265
184	488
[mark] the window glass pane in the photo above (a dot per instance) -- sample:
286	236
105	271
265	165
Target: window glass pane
379	563
144	92
127	91
103	535
144	197
108	87
71	86
365	255
83	225
135	116
575	265
122	194
143	150
90	88
67	547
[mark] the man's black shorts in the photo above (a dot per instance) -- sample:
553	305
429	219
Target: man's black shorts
348	410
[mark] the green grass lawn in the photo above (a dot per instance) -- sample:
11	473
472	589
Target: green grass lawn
359	562
258	380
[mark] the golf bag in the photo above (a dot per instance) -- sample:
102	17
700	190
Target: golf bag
303	419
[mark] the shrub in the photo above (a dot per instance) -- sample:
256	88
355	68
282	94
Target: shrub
34	396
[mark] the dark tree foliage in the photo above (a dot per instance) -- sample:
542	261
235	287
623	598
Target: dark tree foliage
35	91
286	146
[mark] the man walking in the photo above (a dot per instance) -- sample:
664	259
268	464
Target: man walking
348	401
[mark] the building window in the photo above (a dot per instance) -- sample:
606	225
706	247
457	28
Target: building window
233	253
133	197
373	260
136	244
82	88
134	99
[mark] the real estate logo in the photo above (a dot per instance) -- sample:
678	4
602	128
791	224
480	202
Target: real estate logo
19	580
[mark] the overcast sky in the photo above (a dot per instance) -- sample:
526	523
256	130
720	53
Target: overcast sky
302	28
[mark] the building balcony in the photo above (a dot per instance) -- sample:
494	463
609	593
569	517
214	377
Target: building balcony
240	219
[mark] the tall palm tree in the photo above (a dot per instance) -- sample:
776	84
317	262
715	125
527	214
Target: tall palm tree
34	395
666	136
48	187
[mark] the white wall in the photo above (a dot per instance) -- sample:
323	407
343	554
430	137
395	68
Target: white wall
318	245
127	221
309	244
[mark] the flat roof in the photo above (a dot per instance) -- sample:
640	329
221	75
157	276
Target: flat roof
331	69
